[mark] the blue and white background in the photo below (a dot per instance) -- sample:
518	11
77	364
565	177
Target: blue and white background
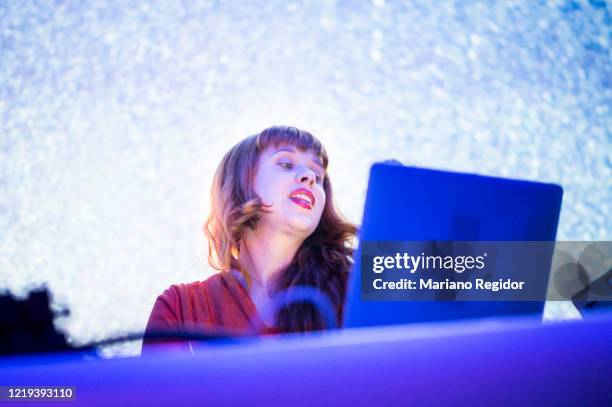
114	116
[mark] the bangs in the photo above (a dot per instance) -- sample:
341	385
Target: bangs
278	136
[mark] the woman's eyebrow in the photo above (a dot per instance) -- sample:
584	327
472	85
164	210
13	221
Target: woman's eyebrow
292	150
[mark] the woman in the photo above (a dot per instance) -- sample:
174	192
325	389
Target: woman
273	227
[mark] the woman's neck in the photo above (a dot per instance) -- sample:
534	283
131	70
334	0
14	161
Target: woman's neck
264	253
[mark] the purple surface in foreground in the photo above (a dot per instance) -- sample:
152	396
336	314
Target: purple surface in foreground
507	362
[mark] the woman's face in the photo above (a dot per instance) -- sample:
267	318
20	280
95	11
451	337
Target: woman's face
291	181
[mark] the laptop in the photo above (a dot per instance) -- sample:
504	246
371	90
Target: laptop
417	204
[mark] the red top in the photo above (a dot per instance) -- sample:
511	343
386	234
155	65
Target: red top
220	303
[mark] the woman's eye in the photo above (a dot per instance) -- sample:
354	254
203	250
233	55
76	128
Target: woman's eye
286	166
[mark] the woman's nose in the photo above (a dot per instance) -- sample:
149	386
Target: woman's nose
306	175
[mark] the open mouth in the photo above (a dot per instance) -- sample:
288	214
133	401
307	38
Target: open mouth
303	198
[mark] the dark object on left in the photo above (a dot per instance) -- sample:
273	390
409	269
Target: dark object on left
26	326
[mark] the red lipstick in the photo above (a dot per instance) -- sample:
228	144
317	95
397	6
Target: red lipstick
303	197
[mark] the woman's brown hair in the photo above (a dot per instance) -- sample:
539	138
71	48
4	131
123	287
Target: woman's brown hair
324	258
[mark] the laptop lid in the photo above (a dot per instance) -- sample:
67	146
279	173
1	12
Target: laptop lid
417	204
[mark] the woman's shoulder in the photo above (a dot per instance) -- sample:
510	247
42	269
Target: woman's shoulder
192	302
187	290
217	287
186	306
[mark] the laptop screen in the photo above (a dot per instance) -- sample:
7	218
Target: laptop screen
408	204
